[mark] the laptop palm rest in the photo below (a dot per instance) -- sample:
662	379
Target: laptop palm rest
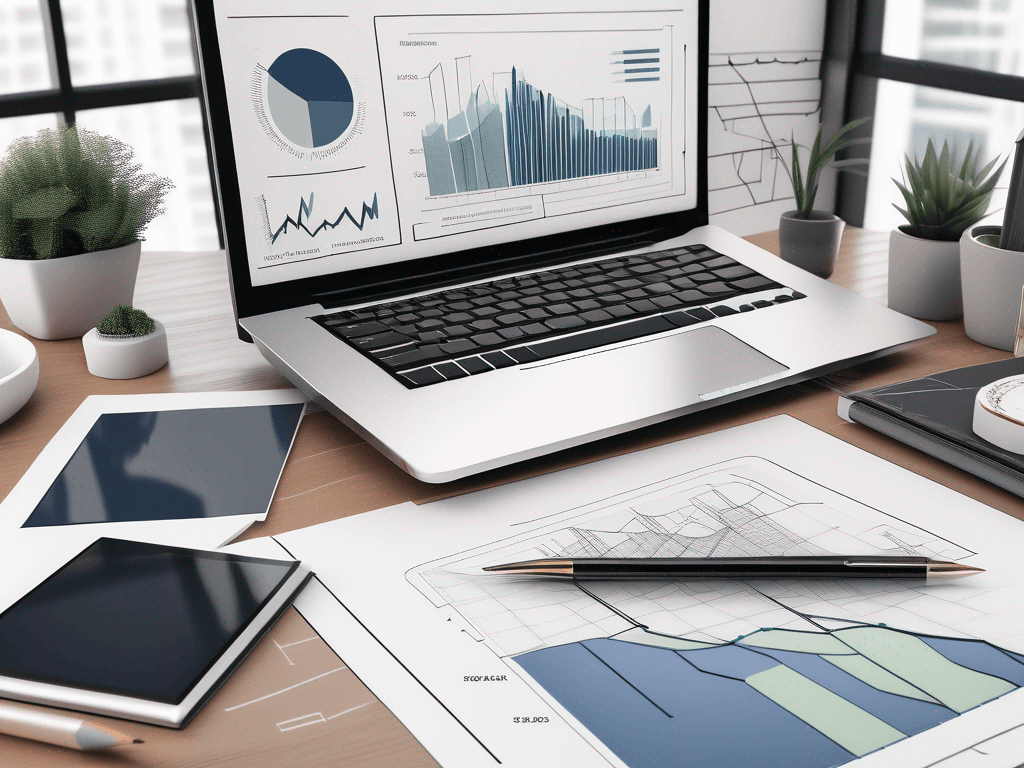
707	362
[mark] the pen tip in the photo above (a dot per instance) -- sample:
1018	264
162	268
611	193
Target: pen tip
138	741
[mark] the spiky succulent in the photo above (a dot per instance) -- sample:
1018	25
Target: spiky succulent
805	185
123	320
67	190
945	195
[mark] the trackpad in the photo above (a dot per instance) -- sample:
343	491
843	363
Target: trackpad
717	363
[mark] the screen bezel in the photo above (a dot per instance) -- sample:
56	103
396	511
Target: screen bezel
404	277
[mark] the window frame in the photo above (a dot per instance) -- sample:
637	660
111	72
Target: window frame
67	99
853	63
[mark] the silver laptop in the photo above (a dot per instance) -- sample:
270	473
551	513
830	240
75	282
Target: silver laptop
480	236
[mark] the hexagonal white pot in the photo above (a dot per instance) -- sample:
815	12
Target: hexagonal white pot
125	357
64	298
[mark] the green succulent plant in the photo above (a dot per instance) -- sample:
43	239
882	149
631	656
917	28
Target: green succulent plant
945	195
805	184
123	320
66	191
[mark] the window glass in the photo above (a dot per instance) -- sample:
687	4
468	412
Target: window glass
24	64
906	116
980	34
168	139
12	128
111	41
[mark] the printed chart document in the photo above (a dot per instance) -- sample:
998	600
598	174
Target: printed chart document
513	670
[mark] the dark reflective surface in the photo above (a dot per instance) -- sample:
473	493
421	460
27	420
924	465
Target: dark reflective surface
165	465
135	619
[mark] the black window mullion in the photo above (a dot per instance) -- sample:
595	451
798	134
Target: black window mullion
53	23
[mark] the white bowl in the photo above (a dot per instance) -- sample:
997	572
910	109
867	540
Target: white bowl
19	373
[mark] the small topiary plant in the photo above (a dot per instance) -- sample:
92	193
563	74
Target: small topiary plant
66	191
123	320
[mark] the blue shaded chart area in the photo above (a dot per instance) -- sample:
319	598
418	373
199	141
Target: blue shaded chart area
776	697
309	98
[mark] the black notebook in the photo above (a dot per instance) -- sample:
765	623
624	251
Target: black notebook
935	414
141	631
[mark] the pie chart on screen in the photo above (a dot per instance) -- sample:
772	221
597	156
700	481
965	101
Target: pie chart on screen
309	98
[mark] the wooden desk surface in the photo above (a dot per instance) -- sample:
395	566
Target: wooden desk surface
333	473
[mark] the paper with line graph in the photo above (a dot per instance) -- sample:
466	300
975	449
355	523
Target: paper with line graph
766	672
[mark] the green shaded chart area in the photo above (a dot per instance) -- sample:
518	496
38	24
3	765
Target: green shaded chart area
309	98
776	697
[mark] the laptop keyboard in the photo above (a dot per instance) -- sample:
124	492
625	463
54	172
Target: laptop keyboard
468	331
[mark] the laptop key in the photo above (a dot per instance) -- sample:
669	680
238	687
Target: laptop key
534	329
512	332
562	309
586	304
511	319
450	371
533	301
522	354
458	330
701	313
601	337
596	316
681	319
723	311
732	273
660	288
458	317
643	305
487	339
717	289
423	376
431	336
762	304
752	283
483	325
498	359
721	261
458	346
620	311
354	331
667	302
691	296
474	365
564	322
380	341
746	308
536	313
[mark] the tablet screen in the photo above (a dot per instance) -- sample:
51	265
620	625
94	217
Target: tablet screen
148	620
176	464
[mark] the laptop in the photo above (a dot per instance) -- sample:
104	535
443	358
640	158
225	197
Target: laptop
478	234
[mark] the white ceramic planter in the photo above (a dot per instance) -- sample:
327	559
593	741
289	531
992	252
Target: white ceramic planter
19	373
992	282
924	277
64	298
811	244
125	357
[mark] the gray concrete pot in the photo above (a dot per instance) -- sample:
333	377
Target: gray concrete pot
924	277
992	282
812	243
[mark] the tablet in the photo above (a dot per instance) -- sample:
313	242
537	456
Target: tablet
156	629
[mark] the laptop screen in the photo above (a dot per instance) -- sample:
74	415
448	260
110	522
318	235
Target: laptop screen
366	135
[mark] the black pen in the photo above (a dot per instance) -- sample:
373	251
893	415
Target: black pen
830	567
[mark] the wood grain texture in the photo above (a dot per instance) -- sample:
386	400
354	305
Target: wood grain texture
333	473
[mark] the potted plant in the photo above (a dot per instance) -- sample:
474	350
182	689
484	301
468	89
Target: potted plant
944	196
809	238
125	344
73	206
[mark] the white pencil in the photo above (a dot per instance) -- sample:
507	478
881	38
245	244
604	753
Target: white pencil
60	730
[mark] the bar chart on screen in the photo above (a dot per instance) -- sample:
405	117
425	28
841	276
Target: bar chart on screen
488	130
